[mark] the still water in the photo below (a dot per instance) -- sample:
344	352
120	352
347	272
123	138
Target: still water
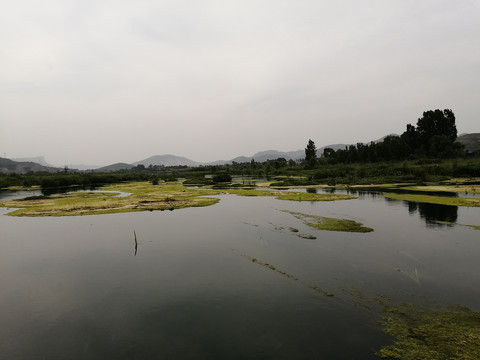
76	287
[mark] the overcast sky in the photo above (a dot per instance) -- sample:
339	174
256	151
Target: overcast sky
105	81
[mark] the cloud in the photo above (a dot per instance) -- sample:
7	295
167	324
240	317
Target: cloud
245	71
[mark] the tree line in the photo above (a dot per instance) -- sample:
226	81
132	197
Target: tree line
433	137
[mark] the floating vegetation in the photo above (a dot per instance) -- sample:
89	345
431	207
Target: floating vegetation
305	196
439	334
475	227
288	195
141	196
290	276
276	227
442	200
458	188
330	224
250	224
307	236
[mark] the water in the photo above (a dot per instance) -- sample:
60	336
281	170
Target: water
73	287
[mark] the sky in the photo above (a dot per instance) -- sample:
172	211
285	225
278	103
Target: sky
106	81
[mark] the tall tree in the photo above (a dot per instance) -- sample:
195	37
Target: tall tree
311	153
437	122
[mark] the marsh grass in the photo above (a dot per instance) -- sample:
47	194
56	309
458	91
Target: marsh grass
330	224
442	200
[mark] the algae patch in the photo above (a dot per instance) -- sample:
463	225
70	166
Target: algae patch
143	196
452	333
330	224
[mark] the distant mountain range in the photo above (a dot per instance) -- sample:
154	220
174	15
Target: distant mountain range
38	164
8	166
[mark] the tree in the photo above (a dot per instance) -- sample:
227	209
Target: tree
434	135
311	154
437	122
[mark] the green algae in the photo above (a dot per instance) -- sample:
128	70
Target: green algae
143	196
330	224
438	334
442	200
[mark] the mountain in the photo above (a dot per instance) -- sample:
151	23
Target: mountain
114	167
470	141
8	166
262	156
274	154
37	159
167	160
82	167
332	146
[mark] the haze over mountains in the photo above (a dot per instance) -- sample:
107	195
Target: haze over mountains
39	164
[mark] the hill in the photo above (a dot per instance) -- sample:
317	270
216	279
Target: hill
470	141
8	166
114	167
37	159
167	160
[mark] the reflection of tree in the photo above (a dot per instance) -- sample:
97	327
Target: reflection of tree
434	213
412	207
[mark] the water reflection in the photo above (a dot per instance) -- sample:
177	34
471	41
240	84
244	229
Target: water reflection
72	290
434	214
65	189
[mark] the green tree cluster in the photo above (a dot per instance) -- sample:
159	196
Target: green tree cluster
433	137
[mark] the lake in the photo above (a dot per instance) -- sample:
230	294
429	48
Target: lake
229	281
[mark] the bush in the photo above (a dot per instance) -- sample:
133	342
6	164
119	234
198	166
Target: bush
222	178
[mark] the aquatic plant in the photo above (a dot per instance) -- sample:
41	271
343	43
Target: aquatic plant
143	196
307	236
330	224
442	200
438	334
290	276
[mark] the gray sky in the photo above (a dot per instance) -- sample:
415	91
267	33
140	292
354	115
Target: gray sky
104	81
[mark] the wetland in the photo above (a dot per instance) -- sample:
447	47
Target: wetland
239	273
